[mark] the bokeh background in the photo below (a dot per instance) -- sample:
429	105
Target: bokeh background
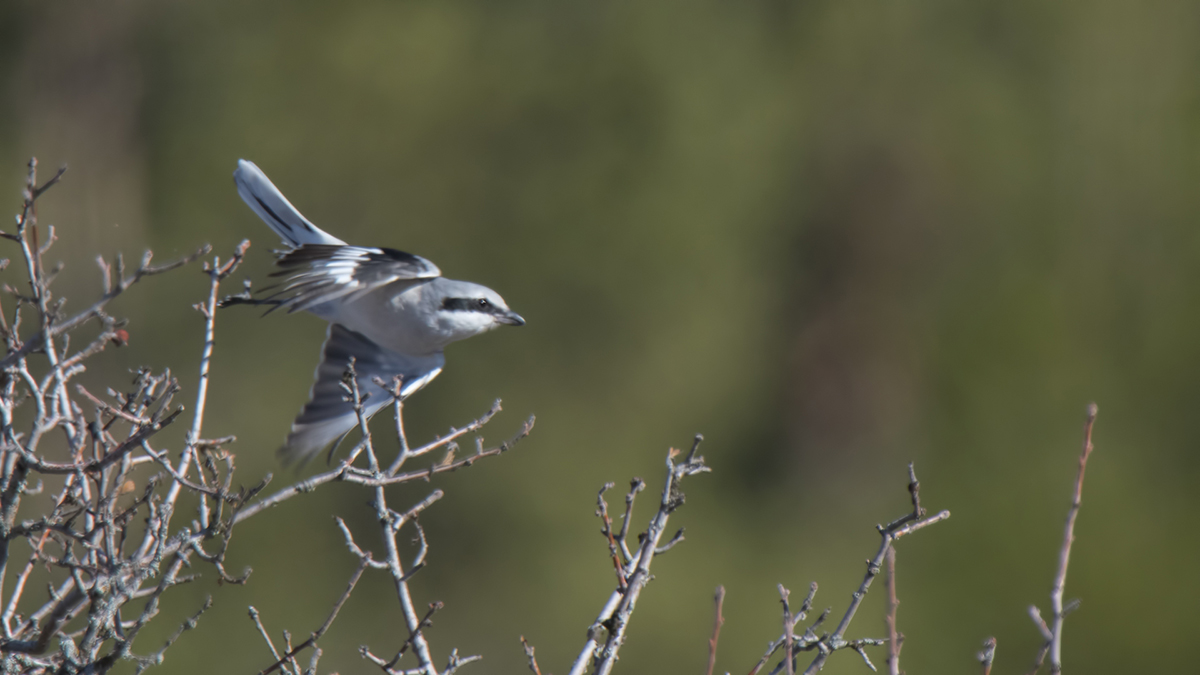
832	236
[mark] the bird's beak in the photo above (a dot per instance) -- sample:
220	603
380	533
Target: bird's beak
511	318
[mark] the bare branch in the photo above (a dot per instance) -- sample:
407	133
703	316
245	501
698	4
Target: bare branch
312	640
826	645
614	617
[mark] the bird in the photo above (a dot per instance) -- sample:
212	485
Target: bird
391	311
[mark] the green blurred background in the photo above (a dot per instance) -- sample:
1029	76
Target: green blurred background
832	236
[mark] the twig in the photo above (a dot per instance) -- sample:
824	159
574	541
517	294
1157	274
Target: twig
796	619
718	621
312	640
391	524
789	632
614	617
344	473
873	565
1053	633
132	443
894	638
914	489
987	655
115	412
442	441
602	512
1060	579
533	664
1047	637
157	657
826	645
413	636
216	273
635	486
37	192
38	340
254	616
287	644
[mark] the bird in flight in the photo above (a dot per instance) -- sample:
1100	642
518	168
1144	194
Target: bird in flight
392	311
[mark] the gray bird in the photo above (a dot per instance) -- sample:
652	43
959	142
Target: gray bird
392	311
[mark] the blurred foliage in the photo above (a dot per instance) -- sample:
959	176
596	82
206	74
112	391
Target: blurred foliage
833	237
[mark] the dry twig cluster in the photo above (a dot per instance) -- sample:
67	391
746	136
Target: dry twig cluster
93	460
632	572
86	451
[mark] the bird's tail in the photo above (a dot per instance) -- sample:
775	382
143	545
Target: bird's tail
276	211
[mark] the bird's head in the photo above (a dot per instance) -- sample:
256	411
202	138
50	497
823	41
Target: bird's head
465	309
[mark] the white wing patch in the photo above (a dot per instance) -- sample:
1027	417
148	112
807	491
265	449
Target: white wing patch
322	273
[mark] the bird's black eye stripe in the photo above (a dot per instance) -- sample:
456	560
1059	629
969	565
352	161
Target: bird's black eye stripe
468	305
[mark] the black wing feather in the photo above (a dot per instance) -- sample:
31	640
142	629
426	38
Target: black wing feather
328	415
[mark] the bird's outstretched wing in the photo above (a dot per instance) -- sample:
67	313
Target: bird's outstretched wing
261	195
328	415
321	273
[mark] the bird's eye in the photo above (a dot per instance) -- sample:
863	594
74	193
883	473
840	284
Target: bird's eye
484	304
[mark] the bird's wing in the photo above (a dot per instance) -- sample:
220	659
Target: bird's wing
322	273
328	415
261	195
